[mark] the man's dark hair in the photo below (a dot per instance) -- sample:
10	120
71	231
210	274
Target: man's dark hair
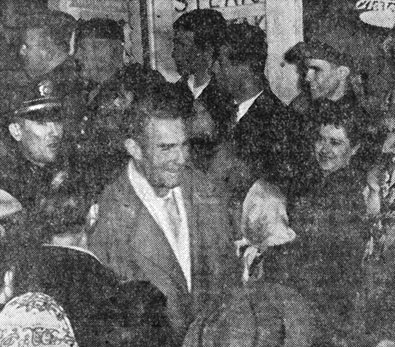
208	27
58	26
247	44
101	28
156	103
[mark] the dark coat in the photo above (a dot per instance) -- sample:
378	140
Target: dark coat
325	261
262	314
264	137
219	106
100	307
128	240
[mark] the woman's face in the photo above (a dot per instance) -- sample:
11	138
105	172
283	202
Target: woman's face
333	149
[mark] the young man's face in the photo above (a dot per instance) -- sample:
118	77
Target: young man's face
40	141
99	58
323	78
185	53
165	152
32	50
226	73
332	148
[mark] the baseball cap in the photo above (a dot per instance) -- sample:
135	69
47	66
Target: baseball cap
315	49
35	319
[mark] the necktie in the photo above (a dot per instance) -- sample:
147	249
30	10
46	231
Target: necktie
174	216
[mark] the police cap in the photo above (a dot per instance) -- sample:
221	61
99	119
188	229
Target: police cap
40	101
100	28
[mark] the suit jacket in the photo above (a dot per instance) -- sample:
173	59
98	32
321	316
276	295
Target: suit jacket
219	106
263	137
216	101
128	240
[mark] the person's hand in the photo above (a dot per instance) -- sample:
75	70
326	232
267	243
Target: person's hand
7	291
376	178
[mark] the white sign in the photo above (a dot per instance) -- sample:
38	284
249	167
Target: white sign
379	13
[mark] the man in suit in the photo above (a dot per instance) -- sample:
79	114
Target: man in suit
162	221
259	127
198	36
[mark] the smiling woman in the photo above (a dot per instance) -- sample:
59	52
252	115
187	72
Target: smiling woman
325	260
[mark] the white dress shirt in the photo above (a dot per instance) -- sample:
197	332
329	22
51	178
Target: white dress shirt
245	106
196	91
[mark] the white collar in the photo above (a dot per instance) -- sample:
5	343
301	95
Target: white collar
245	105
196	91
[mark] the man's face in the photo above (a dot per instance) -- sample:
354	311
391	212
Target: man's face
185	53
332	149
323	78
165	152
225	72
99	58
32	50
40	141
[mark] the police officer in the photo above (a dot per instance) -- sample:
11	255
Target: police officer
32	155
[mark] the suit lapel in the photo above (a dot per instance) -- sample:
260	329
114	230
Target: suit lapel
196	245
149	241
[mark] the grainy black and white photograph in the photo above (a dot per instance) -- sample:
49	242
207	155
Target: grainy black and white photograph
197	173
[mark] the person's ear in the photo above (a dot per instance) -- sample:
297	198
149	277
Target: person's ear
343	72
134	149
15	130
355	149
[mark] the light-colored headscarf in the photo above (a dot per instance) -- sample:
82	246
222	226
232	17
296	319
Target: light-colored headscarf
35	319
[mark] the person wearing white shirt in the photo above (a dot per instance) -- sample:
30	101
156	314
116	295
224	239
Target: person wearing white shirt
182	246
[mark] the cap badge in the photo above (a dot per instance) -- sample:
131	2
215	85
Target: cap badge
45	88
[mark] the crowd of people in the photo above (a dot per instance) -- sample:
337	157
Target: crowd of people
136	212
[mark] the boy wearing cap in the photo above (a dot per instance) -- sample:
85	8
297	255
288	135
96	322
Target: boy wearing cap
326	71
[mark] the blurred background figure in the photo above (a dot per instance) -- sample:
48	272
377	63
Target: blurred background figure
110	87
198	37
